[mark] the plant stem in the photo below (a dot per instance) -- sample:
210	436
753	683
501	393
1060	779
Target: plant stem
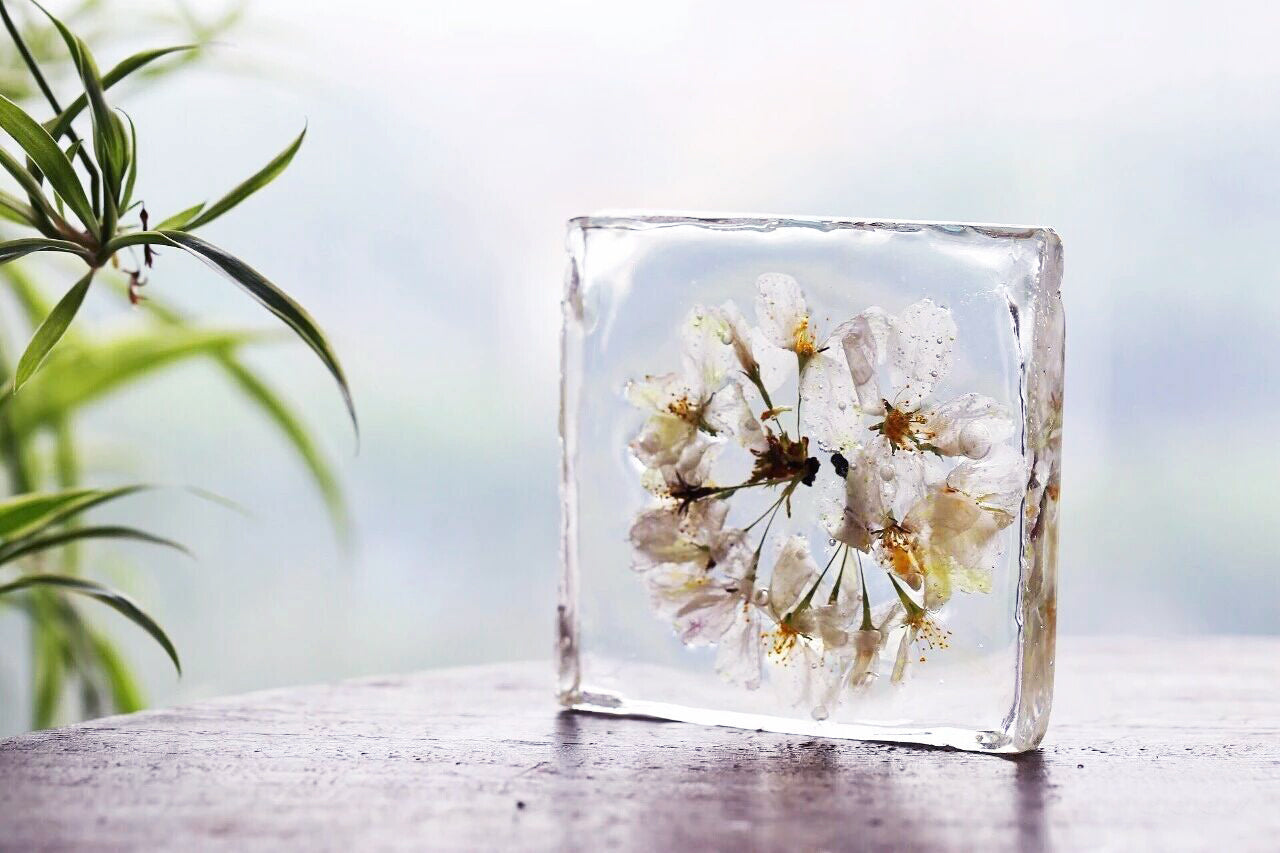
808	599
835	590
866	597
34	68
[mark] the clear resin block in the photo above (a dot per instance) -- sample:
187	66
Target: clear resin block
811	475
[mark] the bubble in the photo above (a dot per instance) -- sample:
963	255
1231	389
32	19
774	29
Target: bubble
820	713
760	597
887	473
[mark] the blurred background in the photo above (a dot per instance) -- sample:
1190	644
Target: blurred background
422	224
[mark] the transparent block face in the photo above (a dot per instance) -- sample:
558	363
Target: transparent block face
810	476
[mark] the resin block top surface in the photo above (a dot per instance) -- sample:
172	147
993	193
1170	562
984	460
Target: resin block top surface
811	474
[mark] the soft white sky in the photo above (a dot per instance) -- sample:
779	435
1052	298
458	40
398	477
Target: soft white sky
422	224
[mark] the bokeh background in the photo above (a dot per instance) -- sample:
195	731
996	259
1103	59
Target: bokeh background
422	224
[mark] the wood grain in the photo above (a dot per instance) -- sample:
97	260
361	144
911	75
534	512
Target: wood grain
1155	745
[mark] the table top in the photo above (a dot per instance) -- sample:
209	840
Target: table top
1155	744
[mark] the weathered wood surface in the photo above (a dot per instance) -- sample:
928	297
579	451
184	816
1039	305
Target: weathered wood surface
1155	745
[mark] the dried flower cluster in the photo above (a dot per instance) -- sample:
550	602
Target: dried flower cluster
919	489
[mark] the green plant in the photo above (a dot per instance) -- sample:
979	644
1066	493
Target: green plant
76	192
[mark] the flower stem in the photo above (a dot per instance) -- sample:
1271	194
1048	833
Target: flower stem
835	590
866	596
808	599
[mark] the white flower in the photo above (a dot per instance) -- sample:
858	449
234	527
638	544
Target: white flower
954	528
917	347
808	648
783	315
873	493
869	641
666	534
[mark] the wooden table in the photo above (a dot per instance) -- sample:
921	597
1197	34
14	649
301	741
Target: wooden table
1155	745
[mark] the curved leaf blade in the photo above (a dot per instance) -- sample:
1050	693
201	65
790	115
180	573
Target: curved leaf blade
11	250
51	160
31	513
114	599
51	331
255	182
292	428
81	372
123	69
256	285
181	218
32	545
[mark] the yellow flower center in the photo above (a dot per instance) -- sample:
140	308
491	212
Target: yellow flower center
805	345
901	429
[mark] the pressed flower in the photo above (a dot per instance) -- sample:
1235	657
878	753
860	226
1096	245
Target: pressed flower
666	535
917	349
808	646
869	640
954	528
919	626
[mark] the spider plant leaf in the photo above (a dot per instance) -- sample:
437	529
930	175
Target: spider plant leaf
255	182
29	514
131	175
295	432
110	142
256	285
27	546
81	372
277	410
51	160
51	331
49	673
181	218
126	695
16	210
11	250
114	599
62	123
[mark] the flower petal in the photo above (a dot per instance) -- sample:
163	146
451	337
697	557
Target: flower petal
728	414
865	343
830	411
998	481
793	573
920	352
707	356
969	425
781	310
739	653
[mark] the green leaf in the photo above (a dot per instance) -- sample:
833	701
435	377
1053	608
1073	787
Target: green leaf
20	548
62	123
31	513
181	218
14	209
257	181
291	426
51	331
126	695
271	297
11	250
114	599
82	372
111	145
51	160
276	409
132	176
49	669
35	193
